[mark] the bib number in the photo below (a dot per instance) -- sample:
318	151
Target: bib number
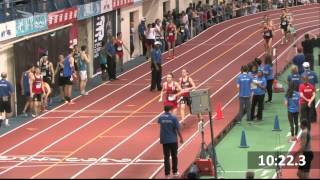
38	86
170	34
44	73
172	97
284	23
268	34
119	48
61	74
5	98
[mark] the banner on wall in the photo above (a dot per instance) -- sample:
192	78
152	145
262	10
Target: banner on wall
104	27
89	10
7	30
116	4
62	17
32	24
106	6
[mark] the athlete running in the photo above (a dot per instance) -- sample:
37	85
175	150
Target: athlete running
187	84
267	32
172	90
119	50
284	23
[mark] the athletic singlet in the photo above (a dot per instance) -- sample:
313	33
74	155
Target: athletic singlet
82	64
170	91
26	84
170	30
67	71
267	33
45	71
60	70
184	85
118	46
37	85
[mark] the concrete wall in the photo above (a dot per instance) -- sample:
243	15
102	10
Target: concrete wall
7	65
125	28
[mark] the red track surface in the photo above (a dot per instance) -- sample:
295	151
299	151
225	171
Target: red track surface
116	123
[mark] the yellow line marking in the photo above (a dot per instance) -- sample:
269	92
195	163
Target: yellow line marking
142	107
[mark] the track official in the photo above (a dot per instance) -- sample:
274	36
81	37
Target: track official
156	69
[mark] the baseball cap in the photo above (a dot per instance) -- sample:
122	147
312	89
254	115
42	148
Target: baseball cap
306	65
157	43
143	19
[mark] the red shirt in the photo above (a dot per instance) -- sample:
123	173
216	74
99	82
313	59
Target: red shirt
307	90
170	90
37	85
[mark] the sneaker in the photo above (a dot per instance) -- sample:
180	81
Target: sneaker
176	174
6	123
167	176
33	115
85	93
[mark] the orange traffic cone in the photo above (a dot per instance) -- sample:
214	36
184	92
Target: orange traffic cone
219	115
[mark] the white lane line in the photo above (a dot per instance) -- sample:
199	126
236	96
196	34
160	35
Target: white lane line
78	128
159	114
66	118
2	135
157	171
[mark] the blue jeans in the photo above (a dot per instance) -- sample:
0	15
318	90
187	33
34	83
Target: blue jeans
245	106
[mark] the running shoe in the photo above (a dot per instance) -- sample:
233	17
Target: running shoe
6	123
33	115
176	174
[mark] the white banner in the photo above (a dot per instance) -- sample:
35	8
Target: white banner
7	30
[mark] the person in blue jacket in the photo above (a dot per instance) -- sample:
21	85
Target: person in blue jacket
259	89
268	73
292	100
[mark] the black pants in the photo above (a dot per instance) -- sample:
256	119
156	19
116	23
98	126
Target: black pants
293	121
309	58
305	114
170	149
112	67
257	100
269	89
156	76
144	47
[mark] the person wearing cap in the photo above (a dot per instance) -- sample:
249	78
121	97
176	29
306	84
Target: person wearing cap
298	60
313	79
141	30
307	94
156	69
260	84
6	91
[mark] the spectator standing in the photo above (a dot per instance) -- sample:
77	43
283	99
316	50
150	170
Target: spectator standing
25	89
313	79
151	37
111	59
119	45
83	70
69	74
169	129
294	76
103	61
307	94
259	84
156	67
132	33
268	73
298	60
292	99
141	29
6	92
244	82
59	73
305	150
160	34
37	90
307	45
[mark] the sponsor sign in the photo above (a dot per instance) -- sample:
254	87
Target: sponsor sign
32	24
7	30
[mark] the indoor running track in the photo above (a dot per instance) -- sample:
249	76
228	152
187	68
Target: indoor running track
112	133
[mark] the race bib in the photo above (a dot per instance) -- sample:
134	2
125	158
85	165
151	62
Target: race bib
44	73
61	74
182	31
284	23
119	48
71	78
170	34
5	98
268	34
172	97
38	86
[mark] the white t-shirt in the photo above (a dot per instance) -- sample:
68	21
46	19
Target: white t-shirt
151	34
